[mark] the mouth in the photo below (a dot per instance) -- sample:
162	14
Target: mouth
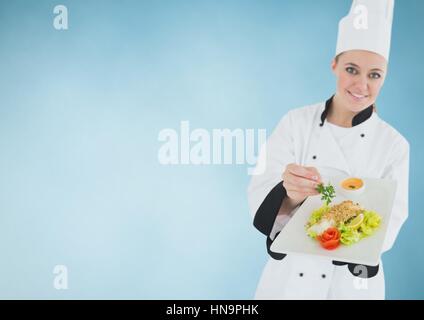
357	97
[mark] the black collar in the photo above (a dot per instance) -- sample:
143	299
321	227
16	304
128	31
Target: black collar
358	119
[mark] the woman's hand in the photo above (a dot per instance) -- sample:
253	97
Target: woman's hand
300	182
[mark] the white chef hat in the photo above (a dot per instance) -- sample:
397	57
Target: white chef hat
368	26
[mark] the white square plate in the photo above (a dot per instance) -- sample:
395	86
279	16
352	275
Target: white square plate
378	195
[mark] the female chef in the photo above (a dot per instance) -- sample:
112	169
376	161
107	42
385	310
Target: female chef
344	134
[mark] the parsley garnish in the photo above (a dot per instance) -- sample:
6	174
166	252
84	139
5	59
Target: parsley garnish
327	193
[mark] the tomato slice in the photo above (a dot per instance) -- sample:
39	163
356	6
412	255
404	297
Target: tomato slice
331	244
330	234
333	231
326	236
330	239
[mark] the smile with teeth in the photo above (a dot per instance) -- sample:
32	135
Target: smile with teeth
357	96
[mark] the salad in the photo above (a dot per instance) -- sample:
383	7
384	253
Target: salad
344	223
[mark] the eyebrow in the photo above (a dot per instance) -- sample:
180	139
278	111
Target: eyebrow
355	65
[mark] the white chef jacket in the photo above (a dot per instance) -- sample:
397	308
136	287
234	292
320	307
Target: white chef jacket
370	149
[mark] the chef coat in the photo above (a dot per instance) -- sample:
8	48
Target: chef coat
371	148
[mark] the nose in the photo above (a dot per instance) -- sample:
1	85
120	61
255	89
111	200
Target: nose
362	83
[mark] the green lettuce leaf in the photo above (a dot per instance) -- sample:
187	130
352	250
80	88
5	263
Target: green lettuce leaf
317	214
348	235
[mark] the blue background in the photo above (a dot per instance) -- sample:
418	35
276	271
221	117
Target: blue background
80	113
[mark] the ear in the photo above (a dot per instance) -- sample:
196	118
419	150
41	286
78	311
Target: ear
333	65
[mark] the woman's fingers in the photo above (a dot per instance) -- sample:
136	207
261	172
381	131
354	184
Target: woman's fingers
294	188
315	173
299	182
305	172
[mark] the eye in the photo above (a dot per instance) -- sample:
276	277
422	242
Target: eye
351	70
375	75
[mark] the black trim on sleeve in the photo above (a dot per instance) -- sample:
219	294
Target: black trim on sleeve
274	255
358	272
268	211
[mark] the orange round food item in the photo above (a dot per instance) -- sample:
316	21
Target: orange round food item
352	184
330	239
330	245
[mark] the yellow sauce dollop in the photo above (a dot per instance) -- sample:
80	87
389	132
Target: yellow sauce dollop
352	184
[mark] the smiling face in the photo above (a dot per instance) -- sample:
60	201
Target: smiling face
360	76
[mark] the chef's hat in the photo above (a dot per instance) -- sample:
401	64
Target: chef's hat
368	26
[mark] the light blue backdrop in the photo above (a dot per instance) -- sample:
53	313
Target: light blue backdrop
80	113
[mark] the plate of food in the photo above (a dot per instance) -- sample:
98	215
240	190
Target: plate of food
346	222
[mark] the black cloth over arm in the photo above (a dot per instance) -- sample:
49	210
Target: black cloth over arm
267	213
